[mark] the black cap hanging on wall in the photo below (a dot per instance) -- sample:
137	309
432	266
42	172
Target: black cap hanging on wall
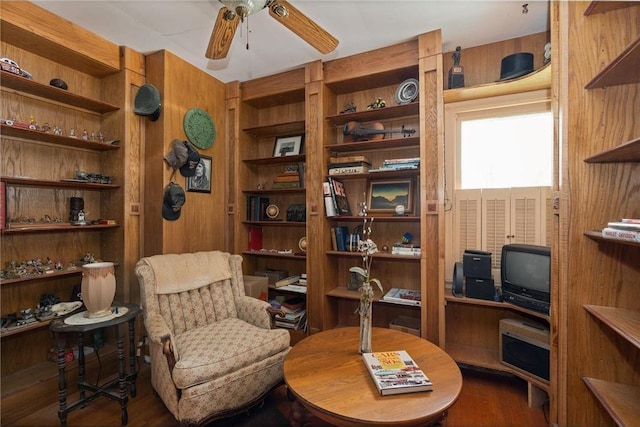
147	102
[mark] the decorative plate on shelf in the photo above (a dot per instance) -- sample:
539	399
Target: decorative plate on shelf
199	128
272	211
407	91
302	244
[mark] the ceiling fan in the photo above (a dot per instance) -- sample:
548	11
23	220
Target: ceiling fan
234	12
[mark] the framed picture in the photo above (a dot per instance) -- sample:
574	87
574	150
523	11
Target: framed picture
384	196
288	146
201	181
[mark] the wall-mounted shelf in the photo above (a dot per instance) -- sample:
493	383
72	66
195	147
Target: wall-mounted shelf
54	228
278	129
539	79
276	160
381	144
377	255
596	7
53	275
619	400
269	254
385	113
622	70
597	235
276	223
376	218
406	173
31	182
51	138
495	304
625	323
31	87
627	152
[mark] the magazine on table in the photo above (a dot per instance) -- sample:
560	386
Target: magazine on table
395	372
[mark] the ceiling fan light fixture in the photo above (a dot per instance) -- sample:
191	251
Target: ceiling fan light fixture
244	8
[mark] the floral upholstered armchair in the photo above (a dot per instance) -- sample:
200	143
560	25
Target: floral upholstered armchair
213	351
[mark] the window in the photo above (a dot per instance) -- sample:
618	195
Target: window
498	174
505	152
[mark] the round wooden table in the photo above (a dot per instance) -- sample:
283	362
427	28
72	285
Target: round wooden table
327	376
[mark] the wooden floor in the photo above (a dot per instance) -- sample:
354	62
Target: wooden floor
486	400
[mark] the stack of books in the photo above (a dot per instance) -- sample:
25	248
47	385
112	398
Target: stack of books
400	248
295	314
627	229
348	165
398	164
257	208
290	178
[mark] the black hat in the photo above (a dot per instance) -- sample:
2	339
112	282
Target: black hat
172	202
177	156
516	65
59	83
193	158
147	102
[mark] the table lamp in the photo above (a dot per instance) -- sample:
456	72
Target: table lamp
98	288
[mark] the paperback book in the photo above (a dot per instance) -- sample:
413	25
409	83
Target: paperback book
395	372
339	196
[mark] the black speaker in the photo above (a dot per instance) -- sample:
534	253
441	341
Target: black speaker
477	264
458	280
479	288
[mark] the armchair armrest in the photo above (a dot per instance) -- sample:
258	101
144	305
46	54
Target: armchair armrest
254	311
273	313
160	334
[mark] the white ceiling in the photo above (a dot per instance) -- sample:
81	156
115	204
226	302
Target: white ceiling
184	28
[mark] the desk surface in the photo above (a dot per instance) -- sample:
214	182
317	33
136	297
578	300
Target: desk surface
58	325
328	377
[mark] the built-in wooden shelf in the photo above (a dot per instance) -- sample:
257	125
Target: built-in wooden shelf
624	322
391	174
278	129
539	79
38	277
381	144
496	304
270	254
276	160
619	400
385	113
377	255
627	152
32	87
344	293
31	182
596	7
275	223
276	191
55	227
622	70
15	330
50	138
597	235
376	218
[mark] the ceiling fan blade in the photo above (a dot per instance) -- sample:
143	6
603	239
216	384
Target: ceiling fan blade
222	34
304	27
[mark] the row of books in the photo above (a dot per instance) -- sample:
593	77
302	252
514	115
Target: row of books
335	198
361	164
257	208
627	229
410	163
295	313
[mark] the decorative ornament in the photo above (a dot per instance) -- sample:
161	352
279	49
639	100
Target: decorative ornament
272	211
199	128
407	91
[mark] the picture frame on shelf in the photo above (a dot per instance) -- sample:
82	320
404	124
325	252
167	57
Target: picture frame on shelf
201	181
384	195
288	145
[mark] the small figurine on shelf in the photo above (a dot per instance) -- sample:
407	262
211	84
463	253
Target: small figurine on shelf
100	137
46	128
85	135
57	130
33	125
349	108
378	103
72	133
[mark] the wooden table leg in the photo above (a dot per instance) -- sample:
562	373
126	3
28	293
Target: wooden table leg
122	376
62	381
132	357
82	376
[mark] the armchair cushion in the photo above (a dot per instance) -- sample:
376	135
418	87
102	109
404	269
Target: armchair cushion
217	349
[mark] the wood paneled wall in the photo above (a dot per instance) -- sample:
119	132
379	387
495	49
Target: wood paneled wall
203	221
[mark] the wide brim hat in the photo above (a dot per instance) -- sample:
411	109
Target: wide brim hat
516	65
147	102
193	158
172	202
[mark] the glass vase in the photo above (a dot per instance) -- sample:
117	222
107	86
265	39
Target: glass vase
366	310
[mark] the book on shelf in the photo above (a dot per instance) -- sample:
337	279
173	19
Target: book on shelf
618	234
295	303
349	159
294	288
290	280
289	177
395	372
280	185
342	233
403	296
622	225
631	220
346	170
401	161
3	205
329	207
406	251
339	196
272	274
255	238
257	208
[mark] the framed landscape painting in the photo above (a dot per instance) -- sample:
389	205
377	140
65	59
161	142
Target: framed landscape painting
384	196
